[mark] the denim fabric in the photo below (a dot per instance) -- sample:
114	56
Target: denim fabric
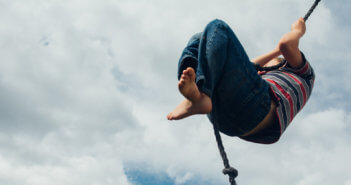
240	97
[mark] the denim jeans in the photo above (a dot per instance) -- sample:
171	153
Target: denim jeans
240	97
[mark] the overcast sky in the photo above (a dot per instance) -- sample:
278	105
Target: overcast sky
85	86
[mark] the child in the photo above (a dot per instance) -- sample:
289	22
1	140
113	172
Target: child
217	78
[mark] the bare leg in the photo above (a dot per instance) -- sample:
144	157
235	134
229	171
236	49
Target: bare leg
195	102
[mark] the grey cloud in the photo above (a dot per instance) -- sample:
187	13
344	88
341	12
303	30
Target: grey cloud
85	87
60	105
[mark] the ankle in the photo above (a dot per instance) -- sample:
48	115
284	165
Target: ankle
206	102
196	97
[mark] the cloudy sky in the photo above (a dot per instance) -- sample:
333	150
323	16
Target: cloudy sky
85	86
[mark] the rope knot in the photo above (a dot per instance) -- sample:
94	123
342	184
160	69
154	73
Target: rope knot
232	172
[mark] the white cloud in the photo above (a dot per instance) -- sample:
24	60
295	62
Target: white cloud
81	170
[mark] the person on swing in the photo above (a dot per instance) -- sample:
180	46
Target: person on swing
217	78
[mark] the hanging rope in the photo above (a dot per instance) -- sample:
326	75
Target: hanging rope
228	170
270	68
311	10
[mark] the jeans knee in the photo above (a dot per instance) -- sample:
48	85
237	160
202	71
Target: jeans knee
217	23
218	27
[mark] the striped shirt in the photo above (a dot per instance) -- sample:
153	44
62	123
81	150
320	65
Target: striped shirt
291	89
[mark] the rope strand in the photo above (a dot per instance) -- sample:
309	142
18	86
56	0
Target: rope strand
228	170
311	10
270	68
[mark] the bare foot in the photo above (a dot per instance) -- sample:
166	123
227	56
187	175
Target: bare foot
187	108
187	85
195	102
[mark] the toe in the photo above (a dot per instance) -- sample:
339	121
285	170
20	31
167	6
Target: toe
184	80
190	70
186	72
191	73
169	116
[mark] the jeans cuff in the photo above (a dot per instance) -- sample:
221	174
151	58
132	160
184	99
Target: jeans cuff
200	80
187	61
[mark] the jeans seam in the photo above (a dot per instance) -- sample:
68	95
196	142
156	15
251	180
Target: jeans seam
210	41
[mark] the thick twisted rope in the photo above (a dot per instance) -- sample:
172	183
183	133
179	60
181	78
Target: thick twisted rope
228	170
311	10
270	68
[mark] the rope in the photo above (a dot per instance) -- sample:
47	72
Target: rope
270	68
228	170
311	10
